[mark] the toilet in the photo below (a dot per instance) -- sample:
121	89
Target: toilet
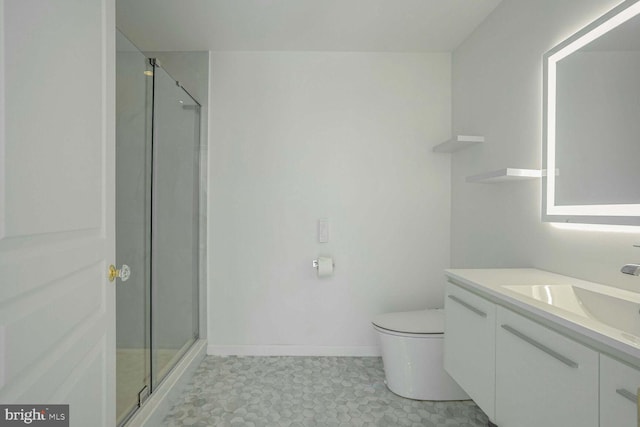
412	354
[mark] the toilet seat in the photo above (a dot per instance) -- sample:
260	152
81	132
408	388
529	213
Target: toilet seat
418	323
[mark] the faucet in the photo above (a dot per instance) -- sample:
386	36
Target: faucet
633	269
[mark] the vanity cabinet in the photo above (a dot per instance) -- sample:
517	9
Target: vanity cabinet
618	393
542	377
469	345
555	364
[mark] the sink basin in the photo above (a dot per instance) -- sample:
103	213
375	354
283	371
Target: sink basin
613	307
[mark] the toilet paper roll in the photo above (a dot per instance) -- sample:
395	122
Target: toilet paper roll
325	266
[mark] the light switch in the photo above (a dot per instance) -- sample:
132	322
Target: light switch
323	230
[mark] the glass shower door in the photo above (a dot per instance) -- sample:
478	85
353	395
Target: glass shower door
175	216
133	233
157	217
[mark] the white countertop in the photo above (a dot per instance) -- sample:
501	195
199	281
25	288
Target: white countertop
491	283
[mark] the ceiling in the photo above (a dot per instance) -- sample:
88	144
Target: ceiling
301	25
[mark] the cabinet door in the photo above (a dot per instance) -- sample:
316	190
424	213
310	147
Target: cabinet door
618	393
469	345
542	377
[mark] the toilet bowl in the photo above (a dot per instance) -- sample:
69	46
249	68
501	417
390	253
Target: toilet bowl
412	355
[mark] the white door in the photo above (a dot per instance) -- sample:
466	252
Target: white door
57	314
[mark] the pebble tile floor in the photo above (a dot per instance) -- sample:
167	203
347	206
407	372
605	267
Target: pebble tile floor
306	392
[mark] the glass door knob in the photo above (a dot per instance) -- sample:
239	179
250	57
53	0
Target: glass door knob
123	273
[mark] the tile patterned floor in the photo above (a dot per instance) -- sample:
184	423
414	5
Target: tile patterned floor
306	392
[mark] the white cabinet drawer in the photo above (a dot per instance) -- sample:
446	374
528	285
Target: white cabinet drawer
618	393
469	345
542	377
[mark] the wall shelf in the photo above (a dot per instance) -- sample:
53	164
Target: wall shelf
457	143
506	174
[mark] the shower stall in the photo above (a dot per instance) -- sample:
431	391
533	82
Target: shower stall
157	213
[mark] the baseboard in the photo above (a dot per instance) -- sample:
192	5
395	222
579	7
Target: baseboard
155	409
292	350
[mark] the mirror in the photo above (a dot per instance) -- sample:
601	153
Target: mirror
592	122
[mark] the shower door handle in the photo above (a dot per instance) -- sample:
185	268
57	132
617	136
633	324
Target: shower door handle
123	273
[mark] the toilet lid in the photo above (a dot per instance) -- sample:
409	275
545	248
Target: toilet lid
413	322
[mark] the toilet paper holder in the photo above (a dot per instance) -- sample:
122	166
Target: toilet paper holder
315	263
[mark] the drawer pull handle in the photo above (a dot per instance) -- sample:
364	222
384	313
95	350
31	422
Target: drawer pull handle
627	394
468	306
542	347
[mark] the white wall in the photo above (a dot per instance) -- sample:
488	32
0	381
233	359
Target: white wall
497	92
346	136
